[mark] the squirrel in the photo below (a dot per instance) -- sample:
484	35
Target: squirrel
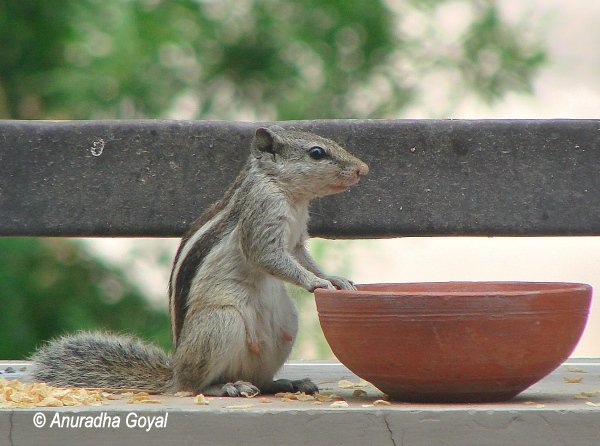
233	324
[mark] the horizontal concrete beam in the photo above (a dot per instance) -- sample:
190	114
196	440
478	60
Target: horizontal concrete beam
428	177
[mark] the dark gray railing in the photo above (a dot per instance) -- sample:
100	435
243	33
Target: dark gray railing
428	177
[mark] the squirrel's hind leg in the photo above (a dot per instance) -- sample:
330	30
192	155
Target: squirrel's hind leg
212	355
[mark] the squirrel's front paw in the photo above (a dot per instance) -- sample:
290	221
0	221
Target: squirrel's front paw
341	283
320	283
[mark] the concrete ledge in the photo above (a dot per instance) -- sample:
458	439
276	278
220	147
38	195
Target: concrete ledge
152	178
547	414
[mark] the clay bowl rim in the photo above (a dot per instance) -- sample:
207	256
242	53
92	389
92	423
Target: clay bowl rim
544	288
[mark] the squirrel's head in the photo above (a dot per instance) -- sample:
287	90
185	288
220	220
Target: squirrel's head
304	162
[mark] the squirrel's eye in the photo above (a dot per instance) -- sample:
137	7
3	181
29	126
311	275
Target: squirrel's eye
316	152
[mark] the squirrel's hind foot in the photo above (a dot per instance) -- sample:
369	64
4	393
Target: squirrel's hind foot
298	385
238	388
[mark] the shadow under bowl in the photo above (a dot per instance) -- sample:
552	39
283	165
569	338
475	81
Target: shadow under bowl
454	341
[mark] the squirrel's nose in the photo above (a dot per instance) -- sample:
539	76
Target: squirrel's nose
362	169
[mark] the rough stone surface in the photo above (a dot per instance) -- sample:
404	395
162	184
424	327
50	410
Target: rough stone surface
547	414
428	177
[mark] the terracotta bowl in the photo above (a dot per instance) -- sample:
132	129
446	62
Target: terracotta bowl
456	341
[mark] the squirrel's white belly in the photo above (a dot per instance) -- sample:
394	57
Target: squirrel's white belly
272	325
269	314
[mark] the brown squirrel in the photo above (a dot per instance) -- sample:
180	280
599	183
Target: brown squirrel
233	324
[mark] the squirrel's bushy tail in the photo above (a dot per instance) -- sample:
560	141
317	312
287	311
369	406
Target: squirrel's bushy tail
99	359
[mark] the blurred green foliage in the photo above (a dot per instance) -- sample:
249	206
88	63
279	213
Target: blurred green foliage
223	59
262	59
49	287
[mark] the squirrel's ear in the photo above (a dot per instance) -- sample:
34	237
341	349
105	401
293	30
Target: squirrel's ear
265	140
